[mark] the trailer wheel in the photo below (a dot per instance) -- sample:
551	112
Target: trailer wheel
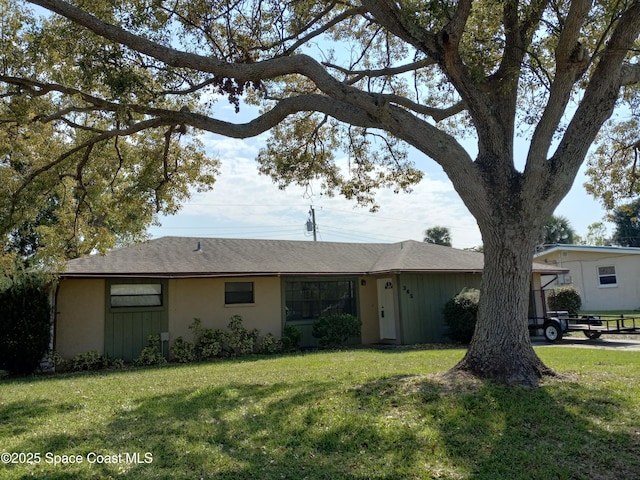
552	331
591	335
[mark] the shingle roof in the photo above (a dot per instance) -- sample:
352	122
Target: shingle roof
193	257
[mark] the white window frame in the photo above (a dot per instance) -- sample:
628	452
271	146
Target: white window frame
607	275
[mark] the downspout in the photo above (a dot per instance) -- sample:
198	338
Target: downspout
53	315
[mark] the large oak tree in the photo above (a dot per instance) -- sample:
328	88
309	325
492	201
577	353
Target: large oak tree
361	77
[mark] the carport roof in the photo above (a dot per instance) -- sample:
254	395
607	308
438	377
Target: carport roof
210	257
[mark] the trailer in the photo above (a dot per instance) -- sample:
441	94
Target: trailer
556	324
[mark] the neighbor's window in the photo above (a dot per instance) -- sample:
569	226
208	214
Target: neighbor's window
136	295
238	292
607	276
313	299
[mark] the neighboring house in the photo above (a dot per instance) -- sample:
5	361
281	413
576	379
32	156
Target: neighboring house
112	303
608	278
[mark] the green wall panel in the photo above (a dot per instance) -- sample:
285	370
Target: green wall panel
127	329
422	298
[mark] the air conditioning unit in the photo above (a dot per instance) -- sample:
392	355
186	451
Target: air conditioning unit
565	279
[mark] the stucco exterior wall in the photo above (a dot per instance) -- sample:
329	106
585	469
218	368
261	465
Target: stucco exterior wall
80	315
418	302
203	298
583	266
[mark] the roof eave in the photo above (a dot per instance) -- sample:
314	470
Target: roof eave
200	274
177	275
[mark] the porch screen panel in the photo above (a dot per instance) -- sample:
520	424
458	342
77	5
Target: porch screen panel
311	299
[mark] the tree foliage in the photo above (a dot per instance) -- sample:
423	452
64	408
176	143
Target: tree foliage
81	171
614	167
343	87
627	221
25	323
596	235
438	236
558	230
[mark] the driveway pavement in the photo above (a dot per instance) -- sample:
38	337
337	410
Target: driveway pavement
608	342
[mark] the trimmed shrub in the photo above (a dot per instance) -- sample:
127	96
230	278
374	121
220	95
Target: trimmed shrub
117	364
240	340
270	344
25	325
291	337
151	354
336	330
183	351
567	298
461	313
210	343
59	364
91	360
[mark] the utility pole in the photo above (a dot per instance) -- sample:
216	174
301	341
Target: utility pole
311	223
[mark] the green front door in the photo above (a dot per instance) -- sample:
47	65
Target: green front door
136	309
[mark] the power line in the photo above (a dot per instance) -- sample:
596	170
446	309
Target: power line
336	216
346	233
235	227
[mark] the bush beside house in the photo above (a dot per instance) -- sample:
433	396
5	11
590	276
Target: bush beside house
25	325
567	298
335	330
207	344
210	343
461	313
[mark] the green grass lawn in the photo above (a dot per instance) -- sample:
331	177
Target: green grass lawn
332	415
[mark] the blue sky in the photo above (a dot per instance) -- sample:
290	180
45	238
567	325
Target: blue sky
245	204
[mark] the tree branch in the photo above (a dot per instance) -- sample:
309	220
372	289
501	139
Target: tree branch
629	74
566	74
89	143
333	22
388	14
438	114
343	102
301	64
277	67
554	178
360	74
37	88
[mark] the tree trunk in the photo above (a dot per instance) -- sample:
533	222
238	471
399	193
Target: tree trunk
501	348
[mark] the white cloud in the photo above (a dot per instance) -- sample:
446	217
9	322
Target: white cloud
246	204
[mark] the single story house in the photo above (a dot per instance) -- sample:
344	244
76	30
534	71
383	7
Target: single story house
608	278
112	303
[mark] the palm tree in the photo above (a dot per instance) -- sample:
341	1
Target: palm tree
438	235
558	230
